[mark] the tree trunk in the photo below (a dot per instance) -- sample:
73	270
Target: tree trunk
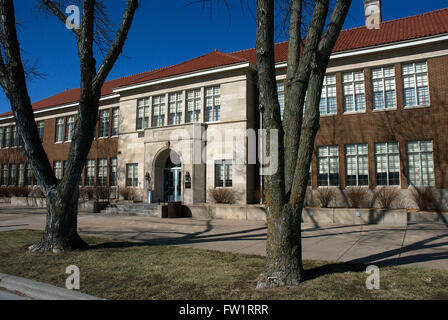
61	230
283	249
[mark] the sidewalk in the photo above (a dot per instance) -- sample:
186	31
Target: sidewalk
16	288
416	245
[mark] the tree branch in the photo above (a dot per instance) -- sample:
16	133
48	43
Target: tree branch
58	13
117	45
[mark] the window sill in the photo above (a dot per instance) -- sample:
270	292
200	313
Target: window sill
416	107
385	110
328	115
355	112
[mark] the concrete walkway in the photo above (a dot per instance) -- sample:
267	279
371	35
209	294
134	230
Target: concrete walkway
423	245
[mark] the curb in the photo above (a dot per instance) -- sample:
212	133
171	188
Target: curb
40	291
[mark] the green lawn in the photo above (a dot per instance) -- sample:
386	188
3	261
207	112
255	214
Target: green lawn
127	270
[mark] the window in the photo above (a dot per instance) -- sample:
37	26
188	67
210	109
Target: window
29	176
223	174
64	167
5	171
421	163
15	137
142	113
59	133
90	173
212	104
70	128
328	166
328	101
13	175
102	172
1	137
132	175
194	106
115	121
175	108
8	137
354	92
57	167
40	129
281	96
387	158
158	108
113	172
104	124
21	174
383	86
357	165
415	84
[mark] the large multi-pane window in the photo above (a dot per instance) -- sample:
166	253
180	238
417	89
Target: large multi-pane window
28	176
69	128
354	91
328	166
15	137
158	111
13	175
415	84
7	137
40	129
21	174
175	108
357	164
212	104
115	121
387	158
194	106
328	101
281	96
421	163
223	174
142	113
383	85
59	133
104	124
132	175
113	172
102	172
57	167
90	173
5	171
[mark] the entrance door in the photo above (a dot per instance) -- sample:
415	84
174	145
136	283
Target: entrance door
173	184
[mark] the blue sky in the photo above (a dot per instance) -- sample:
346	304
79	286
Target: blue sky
163	33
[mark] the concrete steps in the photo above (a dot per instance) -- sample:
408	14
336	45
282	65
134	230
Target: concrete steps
132	209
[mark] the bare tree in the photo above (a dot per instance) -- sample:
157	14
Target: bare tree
307	63
62	195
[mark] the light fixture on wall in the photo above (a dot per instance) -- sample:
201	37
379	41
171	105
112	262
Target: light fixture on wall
187	180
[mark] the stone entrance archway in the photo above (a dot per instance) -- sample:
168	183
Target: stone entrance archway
167	177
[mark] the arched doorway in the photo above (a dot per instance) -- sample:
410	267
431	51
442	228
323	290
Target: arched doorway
168	174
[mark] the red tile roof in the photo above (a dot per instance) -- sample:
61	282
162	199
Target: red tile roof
409	28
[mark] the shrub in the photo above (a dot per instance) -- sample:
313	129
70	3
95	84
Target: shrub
5	192
222	195
36	192
20	191
425	198
325	196
87	193
128	193
102	193
356	196
385	196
